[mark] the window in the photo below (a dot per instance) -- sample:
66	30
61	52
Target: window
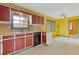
19	20
53	26
50	26
70	26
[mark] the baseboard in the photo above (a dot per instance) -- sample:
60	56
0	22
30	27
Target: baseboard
62	36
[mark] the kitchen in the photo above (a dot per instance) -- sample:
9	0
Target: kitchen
20	29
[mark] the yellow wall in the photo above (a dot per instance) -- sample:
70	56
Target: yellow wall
63	28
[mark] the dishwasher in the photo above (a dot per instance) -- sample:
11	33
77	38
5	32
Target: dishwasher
37	38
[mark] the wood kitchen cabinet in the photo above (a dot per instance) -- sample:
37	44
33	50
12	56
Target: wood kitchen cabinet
44	38
4	13
19	42
37	19
7	44
29	40
41	20
33	19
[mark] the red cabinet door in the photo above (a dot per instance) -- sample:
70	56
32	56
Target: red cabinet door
19	43
38	20
4	13
42	20
8	46
33	19
44	38
29	41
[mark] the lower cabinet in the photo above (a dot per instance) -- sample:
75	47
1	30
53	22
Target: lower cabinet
29	41
8	46
12	43
44	38
19	43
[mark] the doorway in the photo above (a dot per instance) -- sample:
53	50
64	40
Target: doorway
74	28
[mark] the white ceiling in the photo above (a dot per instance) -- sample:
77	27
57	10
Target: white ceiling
53	9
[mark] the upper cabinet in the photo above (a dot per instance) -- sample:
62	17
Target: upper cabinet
33	19
42	20
4	13
37	20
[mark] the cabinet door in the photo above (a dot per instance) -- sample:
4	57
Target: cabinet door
19	43
0	12
4	13
44	39
8	46
38	20
33	19
29	41
42	20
